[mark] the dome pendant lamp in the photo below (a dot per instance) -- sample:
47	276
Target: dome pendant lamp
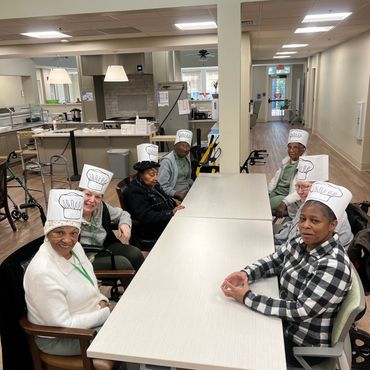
59	76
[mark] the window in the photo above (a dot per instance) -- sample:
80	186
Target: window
58	94
200	81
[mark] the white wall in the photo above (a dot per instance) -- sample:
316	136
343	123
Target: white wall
259	86
11	72
343	79
14	90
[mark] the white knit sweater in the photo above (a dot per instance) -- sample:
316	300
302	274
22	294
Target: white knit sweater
57	294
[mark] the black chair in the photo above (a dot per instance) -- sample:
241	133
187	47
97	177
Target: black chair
4	197
137	238
17	333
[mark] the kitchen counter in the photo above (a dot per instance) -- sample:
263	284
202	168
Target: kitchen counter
91	146
20	127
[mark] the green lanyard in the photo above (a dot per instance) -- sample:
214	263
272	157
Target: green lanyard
81	270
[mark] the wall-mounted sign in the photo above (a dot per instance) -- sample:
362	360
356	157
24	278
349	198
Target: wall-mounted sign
87	96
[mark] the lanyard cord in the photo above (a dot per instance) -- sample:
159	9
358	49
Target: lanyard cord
93	230
81	269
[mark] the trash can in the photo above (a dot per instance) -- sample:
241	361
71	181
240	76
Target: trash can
118	162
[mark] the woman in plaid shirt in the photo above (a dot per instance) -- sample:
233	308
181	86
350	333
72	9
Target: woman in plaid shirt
314	274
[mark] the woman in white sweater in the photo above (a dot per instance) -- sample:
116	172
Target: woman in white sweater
60	285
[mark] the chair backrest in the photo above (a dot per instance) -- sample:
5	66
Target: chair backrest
120	189
3	189
16	353
352	305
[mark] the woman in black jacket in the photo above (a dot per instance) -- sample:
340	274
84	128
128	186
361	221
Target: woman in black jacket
147	202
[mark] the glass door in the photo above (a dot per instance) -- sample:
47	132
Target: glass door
279	102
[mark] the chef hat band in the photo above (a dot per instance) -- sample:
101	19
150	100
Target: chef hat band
298	136
65	207
313	168
147	152
95	178
184	136
334	196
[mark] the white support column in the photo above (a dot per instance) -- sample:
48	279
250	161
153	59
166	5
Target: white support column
229	56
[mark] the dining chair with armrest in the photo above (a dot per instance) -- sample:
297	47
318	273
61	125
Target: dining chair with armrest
339	353
18	347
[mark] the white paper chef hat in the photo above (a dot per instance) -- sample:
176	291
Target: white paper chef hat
95	178
313	168
184	135
335	197
298	136
147	152
65	208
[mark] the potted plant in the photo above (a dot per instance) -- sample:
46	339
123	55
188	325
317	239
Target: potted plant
215	86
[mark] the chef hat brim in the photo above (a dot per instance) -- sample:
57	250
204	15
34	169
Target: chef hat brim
50	225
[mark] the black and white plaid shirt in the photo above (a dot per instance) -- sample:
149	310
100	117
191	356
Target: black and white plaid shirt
312	286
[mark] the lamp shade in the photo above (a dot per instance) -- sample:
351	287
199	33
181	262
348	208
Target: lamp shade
115	74
59	76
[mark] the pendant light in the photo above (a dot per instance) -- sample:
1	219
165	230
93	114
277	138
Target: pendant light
115	73
59	76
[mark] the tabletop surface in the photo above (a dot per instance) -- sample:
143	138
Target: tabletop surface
223	195
174	313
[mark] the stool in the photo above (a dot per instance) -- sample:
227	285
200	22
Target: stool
59	161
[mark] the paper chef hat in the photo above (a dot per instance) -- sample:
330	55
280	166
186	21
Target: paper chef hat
298	136
335	197
147	152
65	208
184	135
95	179
313	168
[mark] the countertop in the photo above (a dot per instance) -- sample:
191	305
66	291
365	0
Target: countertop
87	133
202	120
21	126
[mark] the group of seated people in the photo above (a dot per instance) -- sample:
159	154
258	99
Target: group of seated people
310	259
60	285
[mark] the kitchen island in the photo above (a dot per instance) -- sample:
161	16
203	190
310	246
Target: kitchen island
91	146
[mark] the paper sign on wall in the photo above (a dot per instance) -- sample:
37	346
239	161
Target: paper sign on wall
184	107
163	100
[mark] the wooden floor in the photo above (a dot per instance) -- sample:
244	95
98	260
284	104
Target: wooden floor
271	136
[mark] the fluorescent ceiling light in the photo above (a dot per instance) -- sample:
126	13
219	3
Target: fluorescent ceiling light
295	46
115	74
286	52
281	56
59	76
325	17
196	26
313	29
46	35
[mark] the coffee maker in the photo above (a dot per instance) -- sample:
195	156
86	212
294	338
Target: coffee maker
76	114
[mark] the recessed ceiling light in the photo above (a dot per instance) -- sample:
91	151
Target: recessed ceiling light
281	56
196	26
286	52
313	29
325	17
64	40
46	35
295	45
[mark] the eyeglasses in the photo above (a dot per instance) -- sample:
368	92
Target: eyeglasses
302	187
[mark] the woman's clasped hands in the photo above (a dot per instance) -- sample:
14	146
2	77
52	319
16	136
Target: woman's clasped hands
236	285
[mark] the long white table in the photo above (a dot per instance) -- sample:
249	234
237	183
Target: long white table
174	313
222	195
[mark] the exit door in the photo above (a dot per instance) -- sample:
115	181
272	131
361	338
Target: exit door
278	98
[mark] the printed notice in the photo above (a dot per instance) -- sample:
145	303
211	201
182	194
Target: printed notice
163	100
87	96
184	107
